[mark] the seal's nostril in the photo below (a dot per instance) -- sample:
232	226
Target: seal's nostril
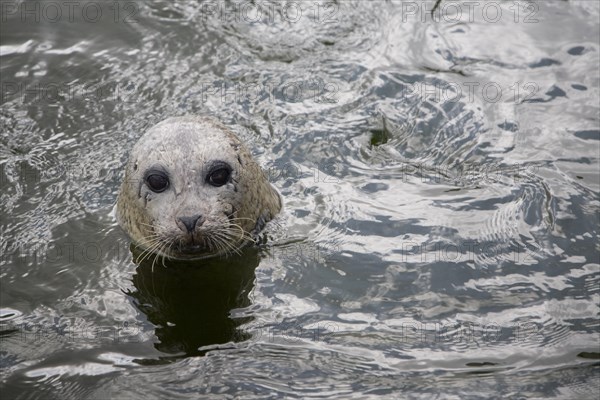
190	222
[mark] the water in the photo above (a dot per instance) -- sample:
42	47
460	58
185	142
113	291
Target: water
440	176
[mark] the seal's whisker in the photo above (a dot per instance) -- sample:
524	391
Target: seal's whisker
145	254
227	243
166	253
159	251
150	246
241	219
220	245
153	261
243	233
150	239
214	244
150	251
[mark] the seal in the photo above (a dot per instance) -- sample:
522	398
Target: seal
193	190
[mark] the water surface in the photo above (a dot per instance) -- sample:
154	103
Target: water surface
440	177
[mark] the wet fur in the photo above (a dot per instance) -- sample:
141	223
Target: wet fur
184	148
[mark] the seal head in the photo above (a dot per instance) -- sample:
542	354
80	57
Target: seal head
192	189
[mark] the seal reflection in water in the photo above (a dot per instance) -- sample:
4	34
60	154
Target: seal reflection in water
192	307
192	190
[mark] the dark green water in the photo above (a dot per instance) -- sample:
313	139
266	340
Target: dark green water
440	177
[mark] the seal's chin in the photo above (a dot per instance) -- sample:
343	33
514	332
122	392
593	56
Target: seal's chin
193	249
189	245
198	246
188	251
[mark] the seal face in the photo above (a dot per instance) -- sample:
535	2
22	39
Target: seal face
192	190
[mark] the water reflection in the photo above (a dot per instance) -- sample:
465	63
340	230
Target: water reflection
444	204
190	302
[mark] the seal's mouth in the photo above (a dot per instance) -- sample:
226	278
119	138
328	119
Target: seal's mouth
189	244
200	245
192	249
189	251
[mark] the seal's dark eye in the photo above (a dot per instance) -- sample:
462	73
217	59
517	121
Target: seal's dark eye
219	177
157	182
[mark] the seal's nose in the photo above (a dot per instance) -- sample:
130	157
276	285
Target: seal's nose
190	222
